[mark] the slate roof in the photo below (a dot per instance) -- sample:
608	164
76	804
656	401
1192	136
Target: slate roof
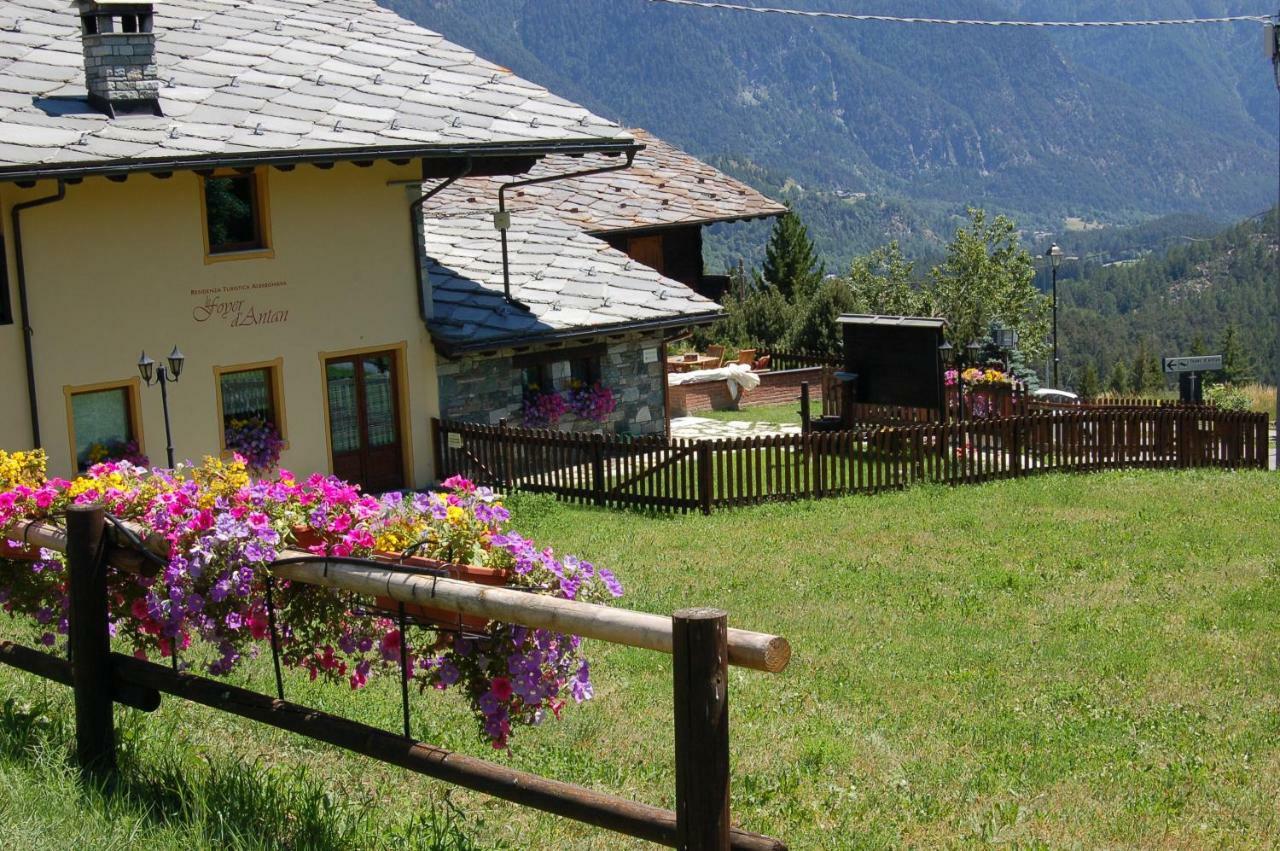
570	281
664	186
244	78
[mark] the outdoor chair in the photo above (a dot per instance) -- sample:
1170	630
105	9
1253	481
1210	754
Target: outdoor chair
716	352
747	356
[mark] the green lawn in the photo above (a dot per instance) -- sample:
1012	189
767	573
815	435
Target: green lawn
788	413
1062	661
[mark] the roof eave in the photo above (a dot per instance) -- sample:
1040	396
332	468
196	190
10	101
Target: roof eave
569	147
450	349
700	222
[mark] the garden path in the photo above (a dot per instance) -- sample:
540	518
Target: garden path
704	428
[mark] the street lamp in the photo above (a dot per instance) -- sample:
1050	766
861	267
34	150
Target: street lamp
1006	340
947	354
162	375
1055	260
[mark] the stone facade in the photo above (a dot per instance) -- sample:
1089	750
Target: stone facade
488	389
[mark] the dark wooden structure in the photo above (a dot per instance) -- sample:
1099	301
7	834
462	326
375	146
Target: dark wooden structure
674	251
895	359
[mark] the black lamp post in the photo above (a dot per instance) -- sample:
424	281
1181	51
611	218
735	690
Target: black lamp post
1055	260
1006	341
947	354
153	374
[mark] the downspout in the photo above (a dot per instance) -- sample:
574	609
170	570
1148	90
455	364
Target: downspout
503	222
23	307
415	232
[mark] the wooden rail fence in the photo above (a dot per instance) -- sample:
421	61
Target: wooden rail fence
699	640
684	476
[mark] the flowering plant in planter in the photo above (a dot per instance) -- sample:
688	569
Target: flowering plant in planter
592	401
543	409
255	439
223	530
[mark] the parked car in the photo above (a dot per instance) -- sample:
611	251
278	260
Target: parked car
1061	397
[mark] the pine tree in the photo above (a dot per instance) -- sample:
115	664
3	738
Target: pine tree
1146	372
1088	385
1198	347
1237	367
791	264
1118	381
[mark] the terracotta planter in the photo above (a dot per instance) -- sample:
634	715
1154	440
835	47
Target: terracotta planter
442	617
22	552
305	538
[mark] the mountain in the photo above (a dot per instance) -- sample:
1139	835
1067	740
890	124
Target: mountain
1194	289
1113	125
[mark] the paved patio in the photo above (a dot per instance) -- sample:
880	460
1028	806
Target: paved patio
704	428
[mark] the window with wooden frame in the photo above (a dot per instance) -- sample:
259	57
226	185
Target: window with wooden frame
536	378
585	369
6	309
104	423
237	221
250	394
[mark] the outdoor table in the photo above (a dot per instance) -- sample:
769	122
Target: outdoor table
678	363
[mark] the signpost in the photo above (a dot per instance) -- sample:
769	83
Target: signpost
1197	363
1188	370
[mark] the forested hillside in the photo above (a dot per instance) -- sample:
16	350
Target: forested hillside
1114	125
1192	292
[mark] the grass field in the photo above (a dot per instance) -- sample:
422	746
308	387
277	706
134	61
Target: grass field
788	413
1065	661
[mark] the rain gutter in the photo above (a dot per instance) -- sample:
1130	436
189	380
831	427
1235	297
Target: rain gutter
23	306
503	220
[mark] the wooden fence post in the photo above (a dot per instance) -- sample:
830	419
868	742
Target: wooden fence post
597	469
804	407
90	641
437	452
701	666
705	487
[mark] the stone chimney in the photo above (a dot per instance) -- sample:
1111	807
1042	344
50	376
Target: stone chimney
120	56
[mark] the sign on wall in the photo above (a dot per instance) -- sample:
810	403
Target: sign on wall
241	305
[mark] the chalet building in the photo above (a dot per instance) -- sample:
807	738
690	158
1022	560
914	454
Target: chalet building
243	181
606	270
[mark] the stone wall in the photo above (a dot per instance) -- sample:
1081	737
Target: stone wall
488	389
120	67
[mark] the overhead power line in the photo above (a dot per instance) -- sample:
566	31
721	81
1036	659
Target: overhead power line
968	22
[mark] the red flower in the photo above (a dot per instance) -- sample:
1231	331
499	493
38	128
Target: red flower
501	687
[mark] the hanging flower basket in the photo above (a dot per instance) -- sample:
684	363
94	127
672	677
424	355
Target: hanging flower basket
443	618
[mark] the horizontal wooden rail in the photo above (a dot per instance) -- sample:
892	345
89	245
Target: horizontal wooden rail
756	650
565	799
50	667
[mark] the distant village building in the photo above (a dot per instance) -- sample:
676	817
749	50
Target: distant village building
247	181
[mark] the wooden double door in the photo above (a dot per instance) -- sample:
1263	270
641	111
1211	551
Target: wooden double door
365	436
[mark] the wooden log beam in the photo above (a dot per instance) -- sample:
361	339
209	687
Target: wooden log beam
756	650
553	796
58	670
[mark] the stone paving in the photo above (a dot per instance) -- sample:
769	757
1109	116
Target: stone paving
704	428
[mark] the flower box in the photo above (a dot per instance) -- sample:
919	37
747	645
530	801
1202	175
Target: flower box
443	618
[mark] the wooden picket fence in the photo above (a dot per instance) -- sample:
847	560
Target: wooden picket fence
685	476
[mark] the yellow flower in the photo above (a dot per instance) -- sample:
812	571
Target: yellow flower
456	515
22	468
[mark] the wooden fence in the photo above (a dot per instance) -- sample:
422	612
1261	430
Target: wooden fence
700	642
684	476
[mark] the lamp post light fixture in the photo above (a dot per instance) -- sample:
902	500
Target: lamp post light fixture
1006	341
163	375
1055	260
947	355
